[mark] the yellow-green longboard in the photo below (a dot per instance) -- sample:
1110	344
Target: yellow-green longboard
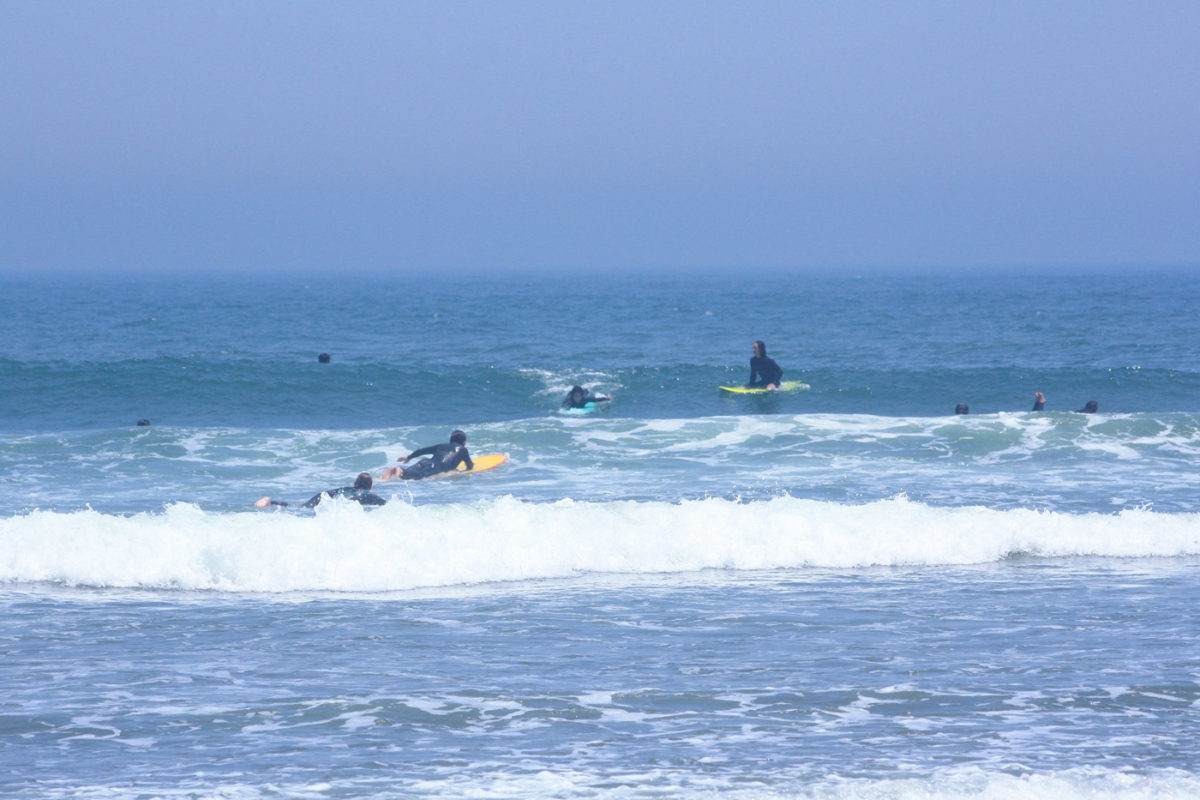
786	386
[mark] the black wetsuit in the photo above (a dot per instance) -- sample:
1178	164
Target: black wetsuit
763	371
587	398
445	458
1039	405
360	496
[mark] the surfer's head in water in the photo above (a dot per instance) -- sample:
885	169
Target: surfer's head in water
364	481
458	437
1091	407
961	408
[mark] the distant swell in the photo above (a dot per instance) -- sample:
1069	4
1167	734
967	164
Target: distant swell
401	546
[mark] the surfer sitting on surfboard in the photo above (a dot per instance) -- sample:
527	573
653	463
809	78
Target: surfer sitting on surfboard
445	458
360	493
764	371
579	397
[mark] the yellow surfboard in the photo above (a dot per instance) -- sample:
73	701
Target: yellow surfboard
482	464
786	386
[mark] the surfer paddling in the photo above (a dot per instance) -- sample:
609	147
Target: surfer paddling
579	397
444	458
360	493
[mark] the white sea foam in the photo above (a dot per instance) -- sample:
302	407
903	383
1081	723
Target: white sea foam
343	547
557	384
981	785
961	784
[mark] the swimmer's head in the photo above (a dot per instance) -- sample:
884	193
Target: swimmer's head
363	481
577	391
961	408
323	358
1090	408
760	349
458	437
143	422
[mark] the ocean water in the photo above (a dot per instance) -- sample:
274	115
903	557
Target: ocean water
842	592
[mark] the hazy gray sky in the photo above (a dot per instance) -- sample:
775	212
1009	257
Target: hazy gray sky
263	136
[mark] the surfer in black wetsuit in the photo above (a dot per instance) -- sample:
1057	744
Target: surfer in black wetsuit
764	372
360	493
446	457
1091	407
1039	401
579	397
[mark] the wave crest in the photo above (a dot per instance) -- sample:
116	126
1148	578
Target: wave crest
343	547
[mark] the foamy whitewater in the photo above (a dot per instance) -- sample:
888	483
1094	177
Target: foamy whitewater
343	547
846	591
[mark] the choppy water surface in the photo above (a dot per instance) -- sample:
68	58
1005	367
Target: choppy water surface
1062	678
841	592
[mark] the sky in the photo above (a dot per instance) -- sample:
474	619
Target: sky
443	137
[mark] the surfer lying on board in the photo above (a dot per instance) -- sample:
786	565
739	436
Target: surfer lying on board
764	372
445	458
360	493
579	397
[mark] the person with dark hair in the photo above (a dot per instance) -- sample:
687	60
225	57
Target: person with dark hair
1091	407
1039	401
323	358
764	372
962	408
579	397
445	457
360	493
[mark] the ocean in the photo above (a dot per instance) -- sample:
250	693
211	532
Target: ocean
846	591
